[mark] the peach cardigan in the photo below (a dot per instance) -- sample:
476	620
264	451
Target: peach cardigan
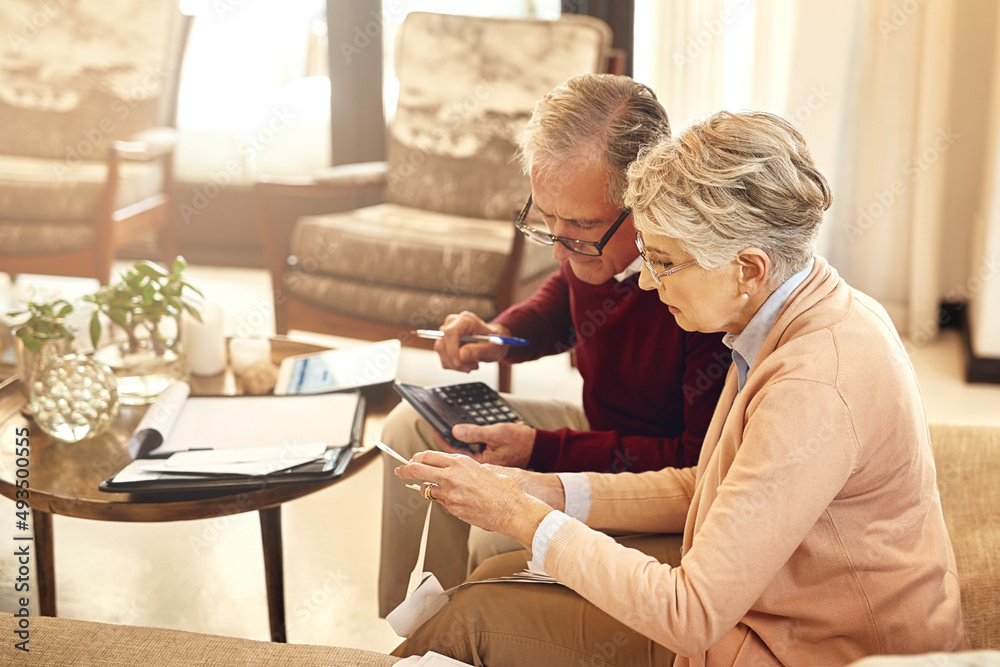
812	524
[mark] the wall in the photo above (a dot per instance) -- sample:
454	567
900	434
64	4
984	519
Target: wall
983	283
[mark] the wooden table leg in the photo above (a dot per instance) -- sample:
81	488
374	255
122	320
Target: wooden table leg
45	568
274	578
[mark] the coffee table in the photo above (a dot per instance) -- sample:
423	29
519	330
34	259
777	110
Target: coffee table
64	478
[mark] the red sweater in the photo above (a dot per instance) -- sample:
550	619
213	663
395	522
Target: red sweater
649	387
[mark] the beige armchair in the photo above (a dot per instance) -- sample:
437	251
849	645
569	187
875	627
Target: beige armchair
88	94
443	240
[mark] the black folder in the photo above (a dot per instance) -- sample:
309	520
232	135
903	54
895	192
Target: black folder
330	466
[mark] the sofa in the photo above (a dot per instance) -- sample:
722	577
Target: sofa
968	468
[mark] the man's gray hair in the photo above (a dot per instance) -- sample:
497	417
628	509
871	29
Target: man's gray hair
593	119
733	181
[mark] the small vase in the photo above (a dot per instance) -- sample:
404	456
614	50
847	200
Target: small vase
144	366
29	363
73	397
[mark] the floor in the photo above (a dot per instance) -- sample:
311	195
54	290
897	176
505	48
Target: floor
207	576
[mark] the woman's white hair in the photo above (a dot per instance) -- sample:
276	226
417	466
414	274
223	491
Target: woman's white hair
731	182
599	119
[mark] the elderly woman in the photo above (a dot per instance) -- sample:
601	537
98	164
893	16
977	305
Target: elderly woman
812	526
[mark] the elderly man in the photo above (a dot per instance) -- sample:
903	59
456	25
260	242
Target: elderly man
649	388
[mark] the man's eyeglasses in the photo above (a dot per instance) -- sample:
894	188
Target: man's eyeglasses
649	265
591	248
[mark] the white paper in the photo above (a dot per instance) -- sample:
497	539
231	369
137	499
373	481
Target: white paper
308	451
291	430
418	607
241	460
230	422
430	659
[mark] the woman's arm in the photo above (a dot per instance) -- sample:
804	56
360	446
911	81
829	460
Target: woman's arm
789	467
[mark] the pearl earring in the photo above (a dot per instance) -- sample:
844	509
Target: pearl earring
746	297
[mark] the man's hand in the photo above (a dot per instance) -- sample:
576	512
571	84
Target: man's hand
466	357
507	444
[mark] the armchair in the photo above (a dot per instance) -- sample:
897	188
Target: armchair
442	240
88	96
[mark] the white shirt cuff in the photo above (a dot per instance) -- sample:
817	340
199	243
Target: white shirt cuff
576	486
552	522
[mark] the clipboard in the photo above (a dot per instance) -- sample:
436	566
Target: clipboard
336	419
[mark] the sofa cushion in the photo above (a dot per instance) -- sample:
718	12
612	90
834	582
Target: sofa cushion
967	458
963	659
407	308
38	189
387	262
466	90
62	641
32	237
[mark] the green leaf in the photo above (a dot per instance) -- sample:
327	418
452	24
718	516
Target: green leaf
195	313
95	328
151	269
119	317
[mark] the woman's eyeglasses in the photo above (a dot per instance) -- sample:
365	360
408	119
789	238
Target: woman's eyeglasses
652	272
591	248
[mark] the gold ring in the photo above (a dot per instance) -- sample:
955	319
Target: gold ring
427	491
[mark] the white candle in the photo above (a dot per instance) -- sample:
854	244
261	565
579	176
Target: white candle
245	351
205	341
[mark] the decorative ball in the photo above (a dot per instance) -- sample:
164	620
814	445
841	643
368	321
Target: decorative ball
74	397
259	377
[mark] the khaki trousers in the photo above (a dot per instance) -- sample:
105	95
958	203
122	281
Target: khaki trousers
403	509
499	624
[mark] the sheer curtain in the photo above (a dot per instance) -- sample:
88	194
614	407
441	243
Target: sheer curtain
881	90
254	93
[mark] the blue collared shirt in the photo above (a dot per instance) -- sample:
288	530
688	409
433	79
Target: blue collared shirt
745	346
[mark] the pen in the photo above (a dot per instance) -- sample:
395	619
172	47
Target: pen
390	451
496	339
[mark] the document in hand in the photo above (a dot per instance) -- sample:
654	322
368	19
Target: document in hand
231	443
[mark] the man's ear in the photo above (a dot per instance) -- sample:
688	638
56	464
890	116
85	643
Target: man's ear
754	270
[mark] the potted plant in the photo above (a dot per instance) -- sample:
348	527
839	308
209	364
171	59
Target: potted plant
70	396
146	304
43	335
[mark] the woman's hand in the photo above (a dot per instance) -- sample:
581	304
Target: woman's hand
546	487
465	357
482	496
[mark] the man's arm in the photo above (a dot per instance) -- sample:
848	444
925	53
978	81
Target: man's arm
706	363
544	319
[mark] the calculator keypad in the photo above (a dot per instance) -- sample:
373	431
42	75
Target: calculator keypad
475	404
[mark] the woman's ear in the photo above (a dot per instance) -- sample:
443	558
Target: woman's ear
754	270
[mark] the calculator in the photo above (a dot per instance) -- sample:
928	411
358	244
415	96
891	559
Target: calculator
446	405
